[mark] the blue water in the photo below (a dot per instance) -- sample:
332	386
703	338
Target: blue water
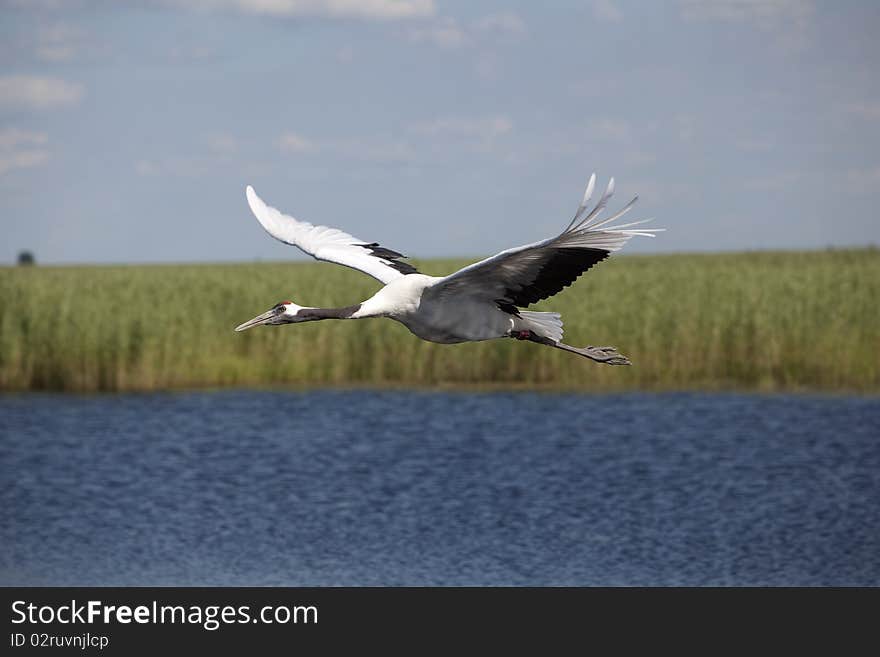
419	488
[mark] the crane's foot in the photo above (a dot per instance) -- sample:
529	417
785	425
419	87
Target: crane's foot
607	355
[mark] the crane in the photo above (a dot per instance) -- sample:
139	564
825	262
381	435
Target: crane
482	301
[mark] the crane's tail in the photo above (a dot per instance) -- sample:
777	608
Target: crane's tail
548	325
546	328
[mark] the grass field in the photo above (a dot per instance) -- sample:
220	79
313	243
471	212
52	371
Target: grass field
756	321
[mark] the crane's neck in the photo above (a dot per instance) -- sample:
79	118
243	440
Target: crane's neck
314	314
357	311
378	305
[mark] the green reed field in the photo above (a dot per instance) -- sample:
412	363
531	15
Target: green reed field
754	321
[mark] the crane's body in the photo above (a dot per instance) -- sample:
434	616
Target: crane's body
479	302
443	320
408	300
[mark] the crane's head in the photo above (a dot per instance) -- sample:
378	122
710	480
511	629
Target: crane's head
283	312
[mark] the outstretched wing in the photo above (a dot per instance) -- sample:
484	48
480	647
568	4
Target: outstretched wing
523	275
330	244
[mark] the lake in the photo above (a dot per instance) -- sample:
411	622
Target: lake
428	488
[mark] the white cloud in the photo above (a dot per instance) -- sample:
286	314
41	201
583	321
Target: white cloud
863	181
345	55
22	91
291	142
865	110
147	168
786	22
606	10
177	167
853	181
440	135
448	33
332	9
765	14
477	135
609	129
22	149
40	4
775	182
379	150
11	138
222	144
217	152
189	52
487	65
444	33
651	188
485	129
340	9
755	144
760	12
59	43
639	157
686	127
501	23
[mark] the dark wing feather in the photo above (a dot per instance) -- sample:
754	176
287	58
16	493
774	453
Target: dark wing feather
527	274
560	268
392	258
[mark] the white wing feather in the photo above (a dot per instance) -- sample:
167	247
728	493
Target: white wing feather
321	242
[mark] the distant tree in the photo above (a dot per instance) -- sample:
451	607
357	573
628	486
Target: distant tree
26	258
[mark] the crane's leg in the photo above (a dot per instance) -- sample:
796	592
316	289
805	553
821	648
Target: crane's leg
607	355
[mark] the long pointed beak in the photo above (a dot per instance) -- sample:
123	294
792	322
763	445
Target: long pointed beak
257	321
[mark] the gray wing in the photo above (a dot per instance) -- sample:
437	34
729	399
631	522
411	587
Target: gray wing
523	275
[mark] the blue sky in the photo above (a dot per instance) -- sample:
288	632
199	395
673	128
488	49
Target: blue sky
128	130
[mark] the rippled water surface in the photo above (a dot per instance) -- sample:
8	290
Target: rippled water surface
366	488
